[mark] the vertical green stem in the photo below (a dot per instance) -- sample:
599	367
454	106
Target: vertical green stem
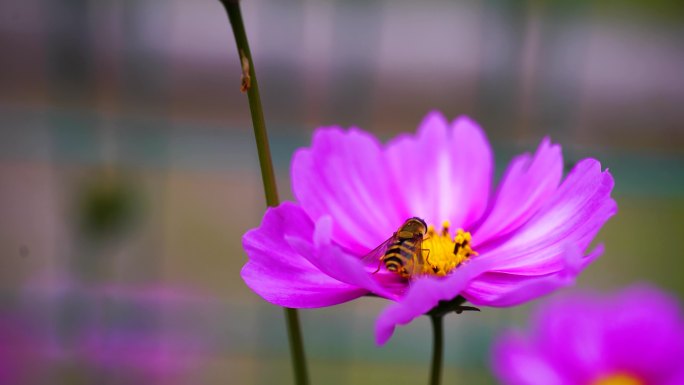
296	347
245	56
437	349
250	85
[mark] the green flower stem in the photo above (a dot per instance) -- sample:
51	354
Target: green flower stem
437	349
296	346
250	85
252	89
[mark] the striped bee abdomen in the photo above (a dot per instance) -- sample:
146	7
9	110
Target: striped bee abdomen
399	254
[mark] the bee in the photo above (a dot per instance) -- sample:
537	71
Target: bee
402	253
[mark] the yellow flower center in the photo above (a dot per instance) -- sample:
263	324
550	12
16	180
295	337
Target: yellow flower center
618	379
442	253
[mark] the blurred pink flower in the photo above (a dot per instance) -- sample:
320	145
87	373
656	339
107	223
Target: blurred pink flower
134	333
125	334
353	193
635	337
17	350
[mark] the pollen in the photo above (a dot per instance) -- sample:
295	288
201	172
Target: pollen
442	252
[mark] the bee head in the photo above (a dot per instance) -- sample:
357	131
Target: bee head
415	221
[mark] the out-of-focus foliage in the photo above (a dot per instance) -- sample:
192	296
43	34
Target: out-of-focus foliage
106	207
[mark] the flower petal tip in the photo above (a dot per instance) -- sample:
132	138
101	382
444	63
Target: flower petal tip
434	120
465	126
383	332
435	115
465	120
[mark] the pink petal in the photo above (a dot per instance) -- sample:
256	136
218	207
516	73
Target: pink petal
526	186
501	289
444	172
585	337
515	362
645	332
281	275
574	215
345	175
423	295
569	332
331	260
676	379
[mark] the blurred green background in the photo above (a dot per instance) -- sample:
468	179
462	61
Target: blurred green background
129	171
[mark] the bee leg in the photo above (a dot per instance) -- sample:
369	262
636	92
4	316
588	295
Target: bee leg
427	259
379	266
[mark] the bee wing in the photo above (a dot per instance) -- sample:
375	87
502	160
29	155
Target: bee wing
374	257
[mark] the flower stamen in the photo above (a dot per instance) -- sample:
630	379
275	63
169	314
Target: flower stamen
442	253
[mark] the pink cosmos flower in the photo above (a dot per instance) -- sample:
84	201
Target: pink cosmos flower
635	337
353	193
